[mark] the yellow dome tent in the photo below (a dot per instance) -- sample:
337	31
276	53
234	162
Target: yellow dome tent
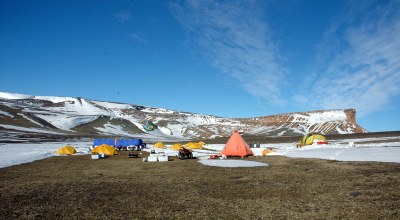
201	143
188	144
68	150
192	145
159	145
313	138
266	151
105	149
176	147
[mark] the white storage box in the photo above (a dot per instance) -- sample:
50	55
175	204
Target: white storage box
95	156
163	158
152	158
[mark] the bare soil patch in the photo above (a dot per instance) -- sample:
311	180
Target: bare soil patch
118	187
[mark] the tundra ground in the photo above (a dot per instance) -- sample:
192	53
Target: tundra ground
118	187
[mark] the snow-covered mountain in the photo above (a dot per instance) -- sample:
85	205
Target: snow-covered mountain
79	116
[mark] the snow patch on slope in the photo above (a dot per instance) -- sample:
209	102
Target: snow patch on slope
66	123
157	110
34	130
81	107
6	114
31	120
319	118
8	95
165	130
111	105
55	99
113	130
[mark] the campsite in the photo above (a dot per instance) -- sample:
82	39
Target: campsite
191	109
287	187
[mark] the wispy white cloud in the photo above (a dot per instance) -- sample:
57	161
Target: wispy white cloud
137	38
237	41
359	60
123	15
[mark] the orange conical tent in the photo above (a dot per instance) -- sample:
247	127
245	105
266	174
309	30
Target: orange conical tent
236	147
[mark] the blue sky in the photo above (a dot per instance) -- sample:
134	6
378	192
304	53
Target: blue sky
224	58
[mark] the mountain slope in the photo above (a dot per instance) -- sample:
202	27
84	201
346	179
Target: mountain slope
79	116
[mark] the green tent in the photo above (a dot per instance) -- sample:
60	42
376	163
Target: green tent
150	126
313	138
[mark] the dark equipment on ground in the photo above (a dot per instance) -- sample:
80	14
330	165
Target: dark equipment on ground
133	155
214	156
185	153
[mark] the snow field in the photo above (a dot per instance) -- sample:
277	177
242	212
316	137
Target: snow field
388	151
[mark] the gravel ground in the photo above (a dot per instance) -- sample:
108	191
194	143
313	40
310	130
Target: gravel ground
118	187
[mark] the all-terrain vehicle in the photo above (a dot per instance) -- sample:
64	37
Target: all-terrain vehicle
185	153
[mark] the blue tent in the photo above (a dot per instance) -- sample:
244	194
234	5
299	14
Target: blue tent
119	142
98	142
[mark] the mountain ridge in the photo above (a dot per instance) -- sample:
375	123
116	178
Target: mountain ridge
77	115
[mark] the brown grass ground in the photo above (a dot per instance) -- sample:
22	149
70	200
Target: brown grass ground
118	187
